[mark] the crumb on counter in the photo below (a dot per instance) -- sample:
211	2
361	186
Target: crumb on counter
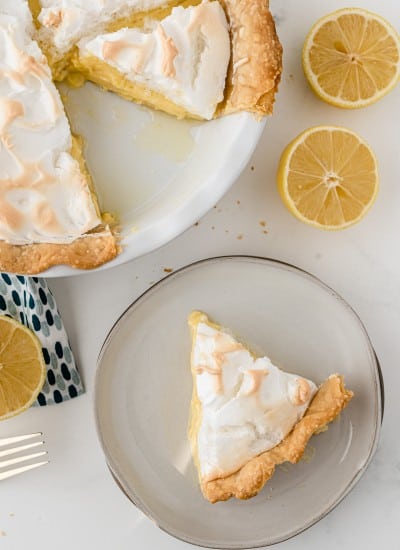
263	223
239	237
2	533
252	168
196	224
168	269
238	202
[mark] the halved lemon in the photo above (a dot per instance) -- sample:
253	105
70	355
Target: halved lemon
351	58
22	367
328	177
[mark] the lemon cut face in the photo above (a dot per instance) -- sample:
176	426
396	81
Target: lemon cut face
22	368
328	177
351	58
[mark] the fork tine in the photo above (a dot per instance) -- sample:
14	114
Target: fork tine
15	450
12	461
16	471
18	439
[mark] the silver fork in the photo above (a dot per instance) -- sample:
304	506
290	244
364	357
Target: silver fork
12	446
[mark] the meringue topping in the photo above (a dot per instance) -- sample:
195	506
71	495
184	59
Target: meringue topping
184	57
65	22
44	197
248	405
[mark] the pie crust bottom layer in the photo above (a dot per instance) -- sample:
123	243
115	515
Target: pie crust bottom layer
331	398
87	252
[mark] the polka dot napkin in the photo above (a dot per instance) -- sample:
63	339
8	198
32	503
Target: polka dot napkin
30	301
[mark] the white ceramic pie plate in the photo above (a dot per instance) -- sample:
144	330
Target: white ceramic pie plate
143	390
158	174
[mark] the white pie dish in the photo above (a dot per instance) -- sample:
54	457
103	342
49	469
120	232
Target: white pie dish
143	390
159	175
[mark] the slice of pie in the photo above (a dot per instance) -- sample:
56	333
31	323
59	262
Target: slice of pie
247	415
178	65
194	60
48	210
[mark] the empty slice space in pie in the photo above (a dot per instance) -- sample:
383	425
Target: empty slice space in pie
247	415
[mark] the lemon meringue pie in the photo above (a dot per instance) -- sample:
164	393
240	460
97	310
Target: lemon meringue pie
189	59
247	415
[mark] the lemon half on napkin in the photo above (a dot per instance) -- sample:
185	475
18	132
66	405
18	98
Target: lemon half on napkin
22	368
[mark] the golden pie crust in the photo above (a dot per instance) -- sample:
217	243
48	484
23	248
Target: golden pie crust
256	59
331	398
87	252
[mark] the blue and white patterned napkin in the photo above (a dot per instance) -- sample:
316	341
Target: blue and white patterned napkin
30	301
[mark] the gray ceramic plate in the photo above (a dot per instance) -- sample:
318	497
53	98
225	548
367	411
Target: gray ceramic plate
143	389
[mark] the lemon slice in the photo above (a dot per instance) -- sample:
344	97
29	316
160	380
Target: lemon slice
328	177
351	58
22	368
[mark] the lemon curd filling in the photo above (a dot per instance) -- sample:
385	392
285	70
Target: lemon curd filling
109	78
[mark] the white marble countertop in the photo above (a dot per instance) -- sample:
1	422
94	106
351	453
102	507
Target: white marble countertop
73	502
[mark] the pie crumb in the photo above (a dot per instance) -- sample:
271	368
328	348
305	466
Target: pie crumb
309	454
168	269
239	237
